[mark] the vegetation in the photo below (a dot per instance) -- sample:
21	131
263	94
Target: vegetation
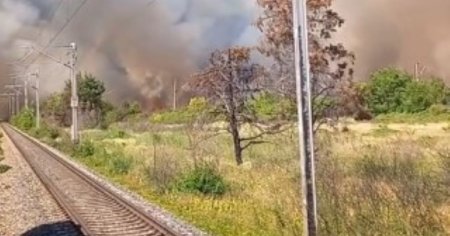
229	82
395	91
203	180
275	24
117	114
90	91
24	120
3	168
372	178
198	108
387	182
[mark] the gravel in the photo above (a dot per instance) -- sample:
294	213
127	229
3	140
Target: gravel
156	212
26	207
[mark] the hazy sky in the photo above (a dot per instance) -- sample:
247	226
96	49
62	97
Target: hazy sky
138	49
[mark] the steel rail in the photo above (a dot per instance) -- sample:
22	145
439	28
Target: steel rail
59	196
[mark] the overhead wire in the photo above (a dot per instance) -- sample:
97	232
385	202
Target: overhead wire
52	17
60	30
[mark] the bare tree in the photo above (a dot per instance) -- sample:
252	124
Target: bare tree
330	62
230	81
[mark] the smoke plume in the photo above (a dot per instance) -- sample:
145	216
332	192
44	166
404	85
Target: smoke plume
397	33
140	47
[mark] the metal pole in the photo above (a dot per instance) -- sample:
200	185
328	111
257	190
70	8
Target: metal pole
74	97
305	126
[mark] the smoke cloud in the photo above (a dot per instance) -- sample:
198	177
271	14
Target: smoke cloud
397	33
138	48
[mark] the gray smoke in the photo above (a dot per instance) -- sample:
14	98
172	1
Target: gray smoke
137	47
397	33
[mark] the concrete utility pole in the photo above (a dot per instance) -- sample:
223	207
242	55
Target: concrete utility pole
74	99
13	109
175	94
37	100
74	130
305	123
25	92
16	89
10	103
11	106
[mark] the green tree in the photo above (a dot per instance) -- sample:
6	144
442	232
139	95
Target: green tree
90	91
386	90
421	95
57	108
392	90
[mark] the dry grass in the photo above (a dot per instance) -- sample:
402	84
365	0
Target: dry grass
377	180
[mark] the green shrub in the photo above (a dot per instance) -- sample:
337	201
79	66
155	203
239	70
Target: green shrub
45	131
421	95
120	165
172	117
84	149
203	180
109	118
267	106
439	109
395	91
198	107
384	92
117	133
25	120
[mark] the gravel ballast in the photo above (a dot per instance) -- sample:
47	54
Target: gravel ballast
157	213
26	207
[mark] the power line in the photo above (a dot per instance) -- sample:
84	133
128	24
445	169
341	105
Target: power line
65	24
58	33
52	17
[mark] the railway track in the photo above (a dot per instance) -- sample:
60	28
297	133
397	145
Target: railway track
94	208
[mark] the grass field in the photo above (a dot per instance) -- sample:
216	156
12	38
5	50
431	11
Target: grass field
386	179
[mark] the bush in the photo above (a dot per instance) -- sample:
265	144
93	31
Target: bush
109	118
267	106
45	131
117	133
120	165
203	180
439	109
84	149
384	92
198	106
421	95
25	120
395	91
